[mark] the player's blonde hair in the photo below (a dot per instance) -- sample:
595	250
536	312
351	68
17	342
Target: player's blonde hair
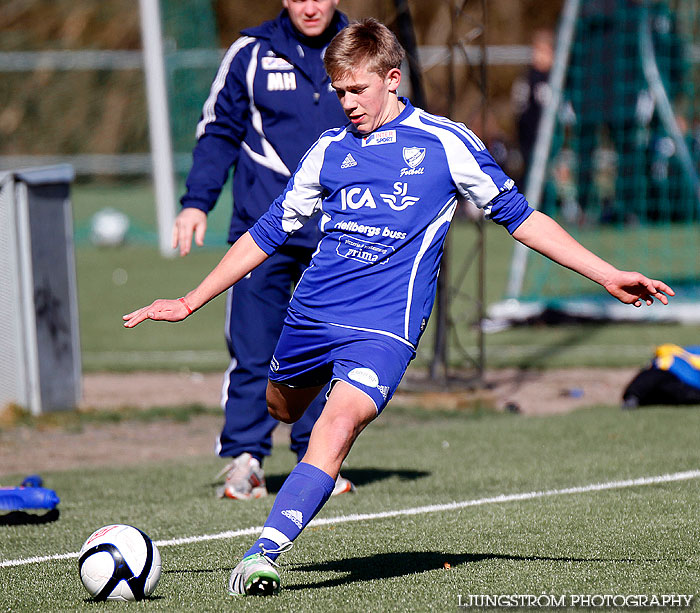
363	42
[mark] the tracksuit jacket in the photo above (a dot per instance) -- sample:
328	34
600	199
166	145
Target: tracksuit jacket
270	100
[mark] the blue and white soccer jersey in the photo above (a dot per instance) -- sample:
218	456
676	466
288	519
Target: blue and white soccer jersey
387	200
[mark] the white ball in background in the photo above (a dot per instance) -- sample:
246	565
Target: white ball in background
108	228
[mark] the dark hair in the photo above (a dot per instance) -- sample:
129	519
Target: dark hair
363	42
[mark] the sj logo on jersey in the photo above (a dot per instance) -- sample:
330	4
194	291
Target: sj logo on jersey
275	63
399	200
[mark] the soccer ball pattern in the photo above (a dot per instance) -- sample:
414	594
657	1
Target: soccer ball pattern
119	562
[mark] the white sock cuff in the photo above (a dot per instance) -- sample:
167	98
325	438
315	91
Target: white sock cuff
274	535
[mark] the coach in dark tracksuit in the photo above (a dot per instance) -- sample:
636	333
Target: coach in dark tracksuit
269	102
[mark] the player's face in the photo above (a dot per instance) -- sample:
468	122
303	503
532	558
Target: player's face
310	17
369	100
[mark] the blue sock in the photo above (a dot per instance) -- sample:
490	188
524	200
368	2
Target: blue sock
301	496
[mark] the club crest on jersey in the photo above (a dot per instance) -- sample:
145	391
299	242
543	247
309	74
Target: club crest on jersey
382	137
413	156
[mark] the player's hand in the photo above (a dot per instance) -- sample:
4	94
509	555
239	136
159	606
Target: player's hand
159	310
189	221
634	288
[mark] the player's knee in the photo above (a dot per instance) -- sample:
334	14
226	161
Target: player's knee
279	408
287	404
276	404
281	412
344	427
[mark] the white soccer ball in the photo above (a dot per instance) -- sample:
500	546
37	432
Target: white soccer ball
108	228
119	562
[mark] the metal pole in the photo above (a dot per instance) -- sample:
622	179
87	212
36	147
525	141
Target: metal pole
158	122
543	143
438	365
480	224
407	35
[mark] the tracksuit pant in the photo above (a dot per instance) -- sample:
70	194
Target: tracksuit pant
255	311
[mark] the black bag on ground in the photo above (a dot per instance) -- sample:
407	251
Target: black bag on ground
672	378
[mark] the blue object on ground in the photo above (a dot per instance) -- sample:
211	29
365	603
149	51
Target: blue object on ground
32	481
18	498
30	495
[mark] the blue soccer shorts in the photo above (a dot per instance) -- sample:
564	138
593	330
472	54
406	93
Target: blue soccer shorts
311	353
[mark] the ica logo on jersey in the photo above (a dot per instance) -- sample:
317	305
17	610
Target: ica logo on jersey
354	198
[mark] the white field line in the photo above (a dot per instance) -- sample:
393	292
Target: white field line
433	508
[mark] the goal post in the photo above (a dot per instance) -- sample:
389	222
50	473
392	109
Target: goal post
159	123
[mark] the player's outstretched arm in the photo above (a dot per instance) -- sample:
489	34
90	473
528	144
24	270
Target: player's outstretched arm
541	233
243	256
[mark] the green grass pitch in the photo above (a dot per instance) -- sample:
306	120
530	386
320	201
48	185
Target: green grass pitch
632	540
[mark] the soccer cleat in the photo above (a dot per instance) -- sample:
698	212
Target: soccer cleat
342	485
245	479
256	575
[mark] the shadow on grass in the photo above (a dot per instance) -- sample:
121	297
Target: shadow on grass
22	518
359	476
542	355
197	571
391	565
97	601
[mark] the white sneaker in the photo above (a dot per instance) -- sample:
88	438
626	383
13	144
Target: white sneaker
255	575
245	479
342	485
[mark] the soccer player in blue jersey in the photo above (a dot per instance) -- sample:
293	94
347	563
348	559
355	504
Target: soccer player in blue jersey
386	185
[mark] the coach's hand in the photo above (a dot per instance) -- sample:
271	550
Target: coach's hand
189	221
160	310
634	288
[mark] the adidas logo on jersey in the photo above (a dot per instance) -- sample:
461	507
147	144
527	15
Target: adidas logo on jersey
295	516
349	161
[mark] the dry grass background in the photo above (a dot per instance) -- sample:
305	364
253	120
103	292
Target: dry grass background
54	443
49	111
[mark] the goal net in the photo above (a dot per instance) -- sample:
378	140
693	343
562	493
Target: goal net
622	157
